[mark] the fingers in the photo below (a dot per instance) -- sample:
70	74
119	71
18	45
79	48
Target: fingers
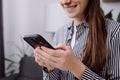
41	62
52	58
41	56
51	52
62	46
47	55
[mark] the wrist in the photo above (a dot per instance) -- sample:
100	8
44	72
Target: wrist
47	70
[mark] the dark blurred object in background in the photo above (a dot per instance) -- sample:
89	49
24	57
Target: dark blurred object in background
2	70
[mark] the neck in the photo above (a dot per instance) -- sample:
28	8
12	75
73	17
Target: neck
77	21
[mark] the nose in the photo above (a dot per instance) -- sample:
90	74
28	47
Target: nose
65	1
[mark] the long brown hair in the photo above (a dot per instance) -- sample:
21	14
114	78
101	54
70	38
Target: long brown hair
95	53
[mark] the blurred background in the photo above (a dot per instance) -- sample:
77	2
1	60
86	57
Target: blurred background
22	17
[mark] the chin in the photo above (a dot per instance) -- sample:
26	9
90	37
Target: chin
71	16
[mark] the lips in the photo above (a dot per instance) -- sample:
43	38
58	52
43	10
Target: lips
70	8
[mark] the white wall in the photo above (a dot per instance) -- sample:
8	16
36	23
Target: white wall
22	17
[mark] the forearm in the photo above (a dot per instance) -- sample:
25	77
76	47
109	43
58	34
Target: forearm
81	72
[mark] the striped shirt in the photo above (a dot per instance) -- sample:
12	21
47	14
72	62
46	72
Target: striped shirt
112	68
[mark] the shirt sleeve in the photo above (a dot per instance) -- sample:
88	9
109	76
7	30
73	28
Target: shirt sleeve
113	68
54	75
90	75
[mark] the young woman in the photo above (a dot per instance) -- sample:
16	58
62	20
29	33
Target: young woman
88	48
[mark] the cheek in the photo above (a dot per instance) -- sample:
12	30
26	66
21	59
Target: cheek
84	5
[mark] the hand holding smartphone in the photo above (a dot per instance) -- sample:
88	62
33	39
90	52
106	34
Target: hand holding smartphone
37	40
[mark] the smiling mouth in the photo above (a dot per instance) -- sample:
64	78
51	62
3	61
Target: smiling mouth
73	6
70	8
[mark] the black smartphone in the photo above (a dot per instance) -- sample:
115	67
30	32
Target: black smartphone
37	40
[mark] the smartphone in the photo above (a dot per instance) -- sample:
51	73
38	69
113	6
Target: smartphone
37	40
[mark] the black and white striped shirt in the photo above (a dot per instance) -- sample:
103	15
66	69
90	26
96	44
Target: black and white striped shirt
112	69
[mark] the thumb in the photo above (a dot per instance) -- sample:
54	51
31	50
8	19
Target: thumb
61	46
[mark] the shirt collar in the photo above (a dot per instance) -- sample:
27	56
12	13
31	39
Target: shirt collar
84	24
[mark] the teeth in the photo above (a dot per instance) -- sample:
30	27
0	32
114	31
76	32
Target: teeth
71	6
